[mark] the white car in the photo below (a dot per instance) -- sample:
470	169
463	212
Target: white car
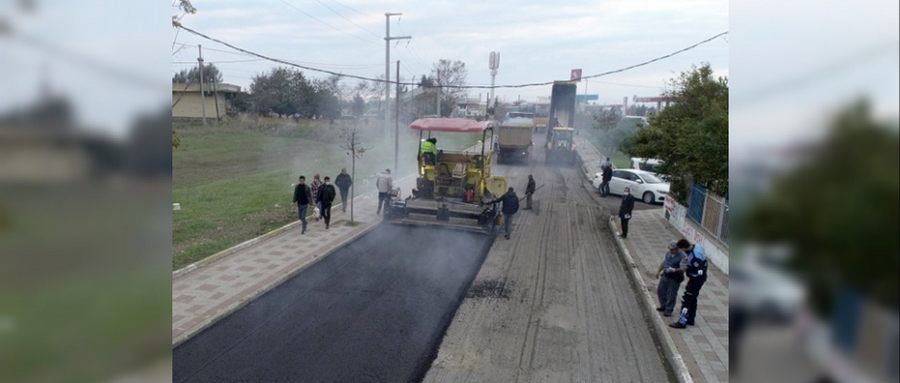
643	184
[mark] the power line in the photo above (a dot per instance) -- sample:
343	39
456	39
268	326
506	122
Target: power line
322	22
348	20
658	58
218	62
525	85
349	7
242	54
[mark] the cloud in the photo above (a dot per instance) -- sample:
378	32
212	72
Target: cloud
538	41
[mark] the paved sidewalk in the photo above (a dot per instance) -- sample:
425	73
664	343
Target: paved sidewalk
704	347
203	295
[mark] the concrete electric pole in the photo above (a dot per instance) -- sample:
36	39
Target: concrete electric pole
397	123
387	65
202	97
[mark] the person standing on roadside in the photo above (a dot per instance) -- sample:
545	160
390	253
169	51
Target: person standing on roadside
625	210
385	185
326	197
302	198
670	275
605	163
314	188
529	191
510	207
343	182
696	273
606	176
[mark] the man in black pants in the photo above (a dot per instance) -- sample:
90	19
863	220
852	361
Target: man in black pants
625	211
302	198
326	197
696	273
343	182
606	176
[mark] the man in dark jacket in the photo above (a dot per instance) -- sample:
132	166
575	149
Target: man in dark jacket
325	198
529	191
606	175
343	182
625	211
510	207
302	198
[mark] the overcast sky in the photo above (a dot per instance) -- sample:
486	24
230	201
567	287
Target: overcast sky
537	40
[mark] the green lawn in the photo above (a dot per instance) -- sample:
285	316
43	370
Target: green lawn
235	181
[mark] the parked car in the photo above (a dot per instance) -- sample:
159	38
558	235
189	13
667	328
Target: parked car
644	185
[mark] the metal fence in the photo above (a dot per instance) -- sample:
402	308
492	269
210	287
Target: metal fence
709	211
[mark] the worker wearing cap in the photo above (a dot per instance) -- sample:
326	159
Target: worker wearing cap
670	275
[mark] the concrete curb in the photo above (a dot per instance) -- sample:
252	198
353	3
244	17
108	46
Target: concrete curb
674	358
277	282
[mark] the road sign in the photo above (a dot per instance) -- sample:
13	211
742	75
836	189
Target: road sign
576	75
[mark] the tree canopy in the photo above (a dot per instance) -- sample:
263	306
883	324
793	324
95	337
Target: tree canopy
690	136
287	91
211	74
838	210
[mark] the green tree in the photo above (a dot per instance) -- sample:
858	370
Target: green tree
211	74
283	91
690	136
607	118
358	107
838	210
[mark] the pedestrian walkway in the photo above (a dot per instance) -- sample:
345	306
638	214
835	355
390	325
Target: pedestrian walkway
590	157
202	294
704	346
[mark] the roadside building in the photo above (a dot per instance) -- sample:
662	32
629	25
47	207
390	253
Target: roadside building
187	103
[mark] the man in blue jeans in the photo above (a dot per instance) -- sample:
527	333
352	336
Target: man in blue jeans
302	197
510	207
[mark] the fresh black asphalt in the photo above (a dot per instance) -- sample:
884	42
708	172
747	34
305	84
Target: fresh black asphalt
372	311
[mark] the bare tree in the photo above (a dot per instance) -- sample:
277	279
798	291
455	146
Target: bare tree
354	148
448	75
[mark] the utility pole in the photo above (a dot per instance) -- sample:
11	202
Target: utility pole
202	97
387	63
397	123
437	82
216	101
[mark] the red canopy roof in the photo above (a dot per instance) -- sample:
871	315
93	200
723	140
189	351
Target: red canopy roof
463	125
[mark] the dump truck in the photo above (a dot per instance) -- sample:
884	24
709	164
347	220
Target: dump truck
560	133
514	139
452	185
562	105
541	119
